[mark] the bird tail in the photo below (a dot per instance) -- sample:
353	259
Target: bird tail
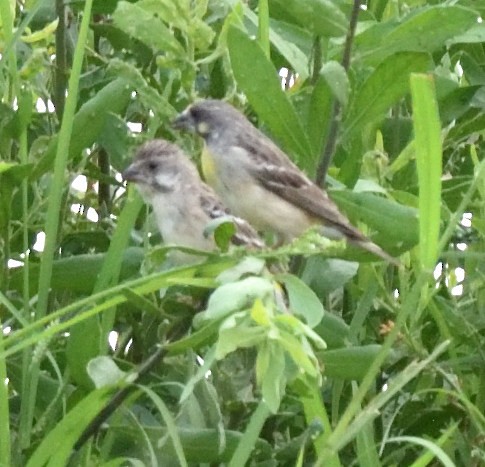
371	247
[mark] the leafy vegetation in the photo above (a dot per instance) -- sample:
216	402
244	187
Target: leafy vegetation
109	357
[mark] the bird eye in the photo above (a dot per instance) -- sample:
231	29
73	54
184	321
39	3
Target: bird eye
152	165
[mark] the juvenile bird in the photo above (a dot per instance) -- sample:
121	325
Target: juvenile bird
257	181
182	203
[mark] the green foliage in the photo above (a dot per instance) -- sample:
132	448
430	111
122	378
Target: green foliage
239	359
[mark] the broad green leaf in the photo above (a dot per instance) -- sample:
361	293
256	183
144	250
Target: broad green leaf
475	34
237	296
184	16
333	330
417	32
336	77
298	353
260	314
257	77
89	121
396	224
382	89
248	265
13	173
233	338
290	51
324	275
147	27
78	273
322	17
103	371
273	381
263	361
302	300
223	229
349	363
319	114
427	131
115	139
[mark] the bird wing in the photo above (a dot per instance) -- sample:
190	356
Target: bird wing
276	173
244	235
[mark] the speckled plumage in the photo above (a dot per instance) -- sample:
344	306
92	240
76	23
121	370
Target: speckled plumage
183	205
258	181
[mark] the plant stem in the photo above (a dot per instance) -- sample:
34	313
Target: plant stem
53	210
60	76
329	148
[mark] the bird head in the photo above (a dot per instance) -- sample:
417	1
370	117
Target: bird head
157	168
207	118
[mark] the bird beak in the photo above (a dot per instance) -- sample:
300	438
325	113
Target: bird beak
131	174
183	121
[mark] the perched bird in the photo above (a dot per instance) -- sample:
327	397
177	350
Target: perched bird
257	181
182	203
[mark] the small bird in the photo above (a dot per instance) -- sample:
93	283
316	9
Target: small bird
257	181
182	203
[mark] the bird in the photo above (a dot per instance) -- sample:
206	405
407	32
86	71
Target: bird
183	205
258	182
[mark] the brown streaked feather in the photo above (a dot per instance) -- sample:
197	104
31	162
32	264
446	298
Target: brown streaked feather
288	182
293	186
245	235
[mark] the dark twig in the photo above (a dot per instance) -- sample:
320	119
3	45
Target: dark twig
104	195
329	149
60	75
317	59
118	398
172	335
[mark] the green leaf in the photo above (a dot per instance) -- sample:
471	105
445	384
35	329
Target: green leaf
248	265
89	121
322	17
257	77
397	224
302	300
324	275
103	371
273	380
349	363
223	229
427	130
115	139
333	330
473	35
57	445
278	35
320	110
236	296
232	337
78	273
382	89
146	26
417	32
336	77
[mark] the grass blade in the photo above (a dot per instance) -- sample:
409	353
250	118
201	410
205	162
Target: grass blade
427	133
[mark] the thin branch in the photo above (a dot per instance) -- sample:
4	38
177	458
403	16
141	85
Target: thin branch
118	398
329	150
104	195
156	357
60	76
317	59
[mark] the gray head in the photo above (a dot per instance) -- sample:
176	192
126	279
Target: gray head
210	118
159	167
